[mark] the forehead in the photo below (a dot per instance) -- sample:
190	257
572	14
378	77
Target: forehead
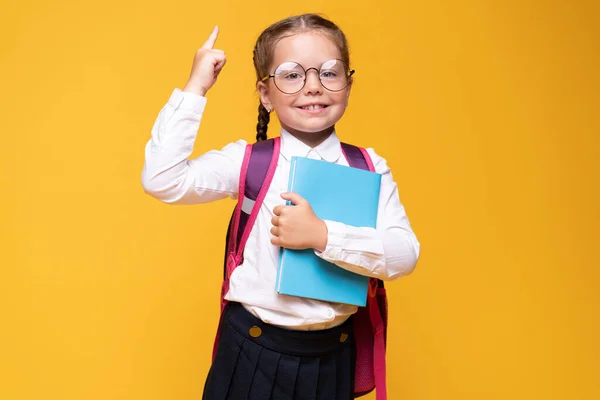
310	49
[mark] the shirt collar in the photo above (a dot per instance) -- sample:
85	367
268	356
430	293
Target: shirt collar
329	150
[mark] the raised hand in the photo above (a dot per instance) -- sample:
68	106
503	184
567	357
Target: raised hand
208	63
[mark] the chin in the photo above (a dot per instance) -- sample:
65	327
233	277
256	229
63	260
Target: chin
316	129
311	126
309	129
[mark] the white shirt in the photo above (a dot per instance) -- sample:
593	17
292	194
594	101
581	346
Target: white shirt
387	252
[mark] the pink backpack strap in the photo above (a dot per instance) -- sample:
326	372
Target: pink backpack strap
257	171
377	321
358	157
378	326
253	181
256	174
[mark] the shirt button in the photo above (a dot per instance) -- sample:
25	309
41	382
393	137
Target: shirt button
255	331
343	337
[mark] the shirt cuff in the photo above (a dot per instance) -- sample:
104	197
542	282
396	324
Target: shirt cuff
336	233
187	101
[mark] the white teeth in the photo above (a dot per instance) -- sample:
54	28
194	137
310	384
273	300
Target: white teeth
313	107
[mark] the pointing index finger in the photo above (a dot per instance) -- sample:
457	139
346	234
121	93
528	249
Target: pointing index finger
211	39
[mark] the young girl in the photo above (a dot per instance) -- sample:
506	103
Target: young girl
274	346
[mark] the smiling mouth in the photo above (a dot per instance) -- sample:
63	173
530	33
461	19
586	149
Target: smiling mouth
313	107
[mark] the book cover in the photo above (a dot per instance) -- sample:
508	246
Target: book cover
336	193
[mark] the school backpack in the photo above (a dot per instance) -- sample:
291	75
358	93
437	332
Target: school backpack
370	322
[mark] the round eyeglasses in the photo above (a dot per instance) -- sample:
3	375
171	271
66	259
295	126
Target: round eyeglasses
290	77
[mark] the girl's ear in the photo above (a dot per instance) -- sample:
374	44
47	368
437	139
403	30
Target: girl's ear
263	92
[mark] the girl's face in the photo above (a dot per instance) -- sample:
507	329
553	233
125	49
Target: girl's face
311	113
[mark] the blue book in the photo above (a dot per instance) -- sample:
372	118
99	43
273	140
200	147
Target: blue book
335	193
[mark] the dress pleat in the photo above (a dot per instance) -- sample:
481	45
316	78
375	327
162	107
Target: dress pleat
326	387
285	380
343	375
243	374
221	372
264	375
308	378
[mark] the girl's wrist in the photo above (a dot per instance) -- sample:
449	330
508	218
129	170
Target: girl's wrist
321	236
197	89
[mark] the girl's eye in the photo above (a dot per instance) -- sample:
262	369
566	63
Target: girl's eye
292	76
328	74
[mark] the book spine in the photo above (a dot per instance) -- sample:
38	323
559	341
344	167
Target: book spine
282	251
292	178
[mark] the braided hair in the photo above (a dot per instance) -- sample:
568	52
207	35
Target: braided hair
263	123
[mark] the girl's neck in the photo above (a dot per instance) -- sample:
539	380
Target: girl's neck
311	139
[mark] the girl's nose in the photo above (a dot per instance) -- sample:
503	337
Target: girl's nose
313	84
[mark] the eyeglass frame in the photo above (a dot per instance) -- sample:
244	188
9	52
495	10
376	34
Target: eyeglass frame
350	73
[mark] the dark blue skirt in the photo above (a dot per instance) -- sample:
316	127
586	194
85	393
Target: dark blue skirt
258	361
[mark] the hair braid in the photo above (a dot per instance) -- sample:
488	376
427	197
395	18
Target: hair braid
263	123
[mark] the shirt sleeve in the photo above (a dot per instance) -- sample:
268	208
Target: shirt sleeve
387	252
169	175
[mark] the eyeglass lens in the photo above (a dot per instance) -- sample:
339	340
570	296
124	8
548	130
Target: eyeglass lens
290	76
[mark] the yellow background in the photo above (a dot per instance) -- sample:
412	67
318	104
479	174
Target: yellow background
487	112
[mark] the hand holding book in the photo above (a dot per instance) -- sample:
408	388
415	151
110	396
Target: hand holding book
296	226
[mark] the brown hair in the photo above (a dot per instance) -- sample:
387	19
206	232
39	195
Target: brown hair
265	46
